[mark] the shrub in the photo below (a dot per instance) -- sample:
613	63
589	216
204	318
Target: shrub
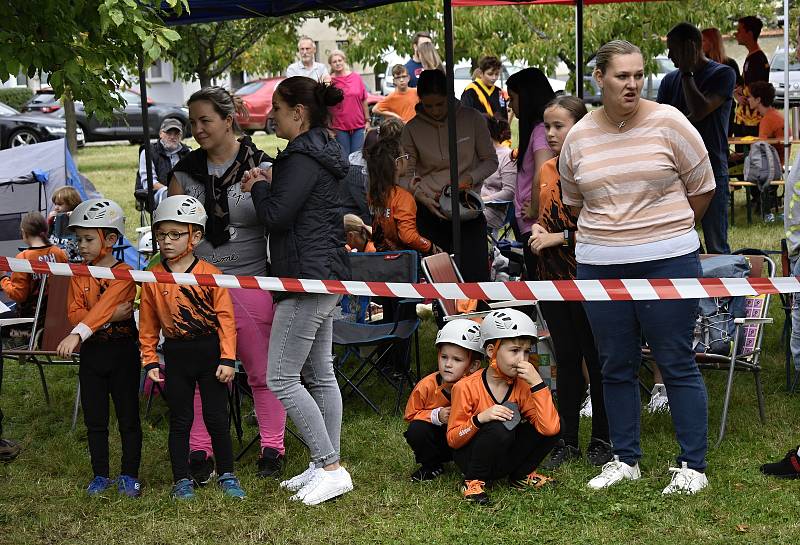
16	97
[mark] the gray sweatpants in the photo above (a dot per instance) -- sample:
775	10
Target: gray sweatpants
301	342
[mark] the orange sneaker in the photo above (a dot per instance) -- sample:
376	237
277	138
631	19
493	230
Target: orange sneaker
532	481
473	491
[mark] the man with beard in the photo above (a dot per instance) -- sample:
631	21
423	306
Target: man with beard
164	154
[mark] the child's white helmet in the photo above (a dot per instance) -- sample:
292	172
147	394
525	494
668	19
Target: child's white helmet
146	243
461	332
98	214
181	209
506	323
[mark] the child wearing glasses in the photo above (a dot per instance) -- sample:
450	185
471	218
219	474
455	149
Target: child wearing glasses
394	211
199	345
402	102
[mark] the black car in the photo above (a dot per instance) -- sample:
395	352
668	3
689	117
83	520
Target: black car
44	101
18	129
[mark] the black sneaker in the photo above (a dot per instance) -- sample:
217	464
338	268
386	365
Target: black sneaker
201	467
427	473
561	454
8	450
599	452
270	463
788	468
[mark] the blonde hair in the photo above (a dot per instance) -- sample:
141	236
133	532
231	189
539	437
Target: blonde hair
335	53
611	49
429	57
716	49
68	196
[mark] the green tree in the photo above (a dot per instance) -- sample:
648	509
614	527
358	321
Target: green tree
207	51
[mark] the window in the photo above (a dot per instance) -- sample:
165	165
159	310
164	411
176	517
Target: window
158	71
342	44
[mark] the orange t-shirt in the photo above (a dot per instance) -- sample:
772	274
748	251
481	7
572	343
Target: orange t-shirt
471	396
23	287
427	395
771	126
92	301
185	313
395	227
402	104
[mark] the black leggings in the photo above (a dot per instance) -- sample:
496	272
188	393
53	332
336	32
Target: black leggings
474	264
495	452
573	342
111	368
190	363
429	443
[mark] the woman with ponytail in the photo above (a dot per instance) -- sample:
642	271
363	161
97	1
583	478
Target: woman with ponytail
235	242
298	202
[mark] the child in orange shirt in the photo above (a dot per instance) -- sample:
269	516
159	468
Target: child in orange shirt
102	312
428	409
503	422
402	102
23	287
761	99
199	345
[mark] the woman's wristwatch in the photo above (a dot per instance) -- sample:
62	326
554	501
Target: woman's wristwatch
567	236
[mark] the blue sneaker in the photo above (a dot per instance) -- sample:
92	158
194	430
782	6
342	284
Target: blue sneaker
230	486
99	485
129	486
183	490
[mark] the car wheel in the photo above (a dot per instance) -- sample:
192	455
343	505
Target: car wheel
249	132
23	137
270	127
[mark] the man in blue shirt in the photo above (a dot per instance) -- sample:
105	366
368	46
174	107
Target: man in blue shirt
703	90
414	66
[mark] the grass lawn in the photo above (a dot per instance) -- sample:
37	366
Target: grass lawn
42	498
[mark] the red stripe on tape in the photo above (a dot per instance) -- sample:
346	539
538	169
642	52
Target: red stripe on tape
520	291
615	289
292	284
248	282
664	288
763	285
335	286
569	290
474	291
715	288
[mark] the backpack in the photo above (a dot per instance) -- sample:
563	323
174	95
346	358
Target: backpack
762	165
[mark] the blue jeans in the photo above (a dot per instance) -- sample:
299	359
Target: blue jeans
794	339
667	325
350	141
715	220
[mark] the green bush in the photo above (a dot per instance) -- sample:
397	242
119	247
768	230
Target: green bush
16	97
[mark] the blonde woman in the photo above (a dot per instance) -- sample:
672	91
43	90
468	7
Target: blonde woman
350	117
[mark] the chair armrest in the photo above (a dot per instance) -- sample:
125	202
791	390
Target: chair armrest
746	321
510	304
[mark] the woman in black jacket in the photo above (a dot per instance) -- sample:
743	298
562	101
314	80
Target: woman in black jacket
299	204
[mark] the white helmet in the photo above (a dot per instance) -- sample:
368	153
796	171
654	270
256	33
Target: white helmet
461	332
506	323
98	214
182	209
146	243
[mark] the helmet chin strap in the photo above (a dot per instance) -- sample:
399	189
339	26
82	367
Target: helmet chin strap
497	372
187	251
104	250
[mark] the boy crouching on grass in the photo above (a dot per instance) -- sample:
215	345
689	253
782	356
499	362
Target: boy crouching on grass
199	346
428	410
503	422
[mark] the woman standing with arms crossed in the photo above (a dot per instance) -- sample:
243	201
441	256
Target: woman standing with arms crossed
299	204
350	117
235	242
638	174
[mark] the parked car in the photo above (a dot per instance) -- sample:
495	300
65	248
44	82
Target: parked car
43	101
17	129
126	123
776	77
257	98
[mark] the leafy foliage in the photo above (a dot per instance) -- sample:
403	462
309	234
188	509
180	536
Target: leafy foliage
85	45
15	97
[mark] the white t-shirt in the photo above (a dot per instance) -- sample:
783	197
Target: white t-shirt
316	72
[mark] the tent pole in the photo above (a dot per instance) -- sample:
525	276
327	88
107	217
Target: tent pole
146	138
579	48
451	127
786	109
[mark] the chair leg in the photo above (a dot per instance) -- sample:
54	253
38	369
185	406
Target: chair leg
77	406
762	413
44	382
726	402
749	205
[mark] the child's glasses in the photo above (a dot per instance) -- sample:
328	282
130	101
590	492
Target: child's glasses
404	156
172	235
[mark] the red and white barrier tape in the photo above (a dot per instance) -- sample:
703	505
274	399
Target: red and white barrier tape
542	290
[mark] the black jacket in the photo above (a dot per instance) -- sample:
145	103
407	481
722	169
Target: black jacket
302	212
160	158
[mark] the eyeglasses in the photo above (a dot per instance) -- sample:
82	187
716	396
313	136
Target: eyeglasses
400	77
173	235
404	156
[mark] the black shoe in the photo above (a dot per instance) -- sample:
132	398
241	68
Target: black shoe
788	468
427	473
599	452
270	463
561	454
9	450
201	467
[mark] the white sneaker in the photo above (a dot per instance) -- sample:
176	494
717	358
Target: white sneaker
310	485
299	481
586	408
659	402
685	481
330	485
614	472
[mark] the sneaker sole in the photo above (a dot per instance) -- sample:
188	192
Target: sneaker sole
330	495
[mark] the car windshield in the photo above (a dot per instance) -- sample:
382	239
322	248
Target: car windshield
249	88
43	98
7	110
779	63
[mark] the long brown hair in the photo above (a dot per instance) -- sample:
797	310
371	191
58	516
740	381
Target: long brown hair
381	167
33	224
716	49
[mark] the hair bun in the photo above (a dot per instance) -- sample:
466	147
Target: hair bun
330	95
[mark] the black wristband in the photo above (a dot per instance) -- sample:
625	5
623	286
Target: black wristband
540	386
150	366
476	421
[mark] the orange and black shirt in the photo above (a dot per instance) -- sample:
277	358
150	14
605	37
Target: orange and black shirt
429	394
471	396
395	227
92	302
556	262
23	287
186	313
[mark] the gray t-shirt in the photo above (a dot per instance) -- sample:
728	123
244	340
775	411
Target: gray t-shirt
246	251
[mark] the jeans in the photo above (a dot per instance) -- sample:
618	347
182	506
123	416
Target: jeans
794	339
301	342
715	220
350	140
668	326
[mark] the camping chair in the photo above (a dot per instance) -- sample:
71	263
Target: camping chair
787	302
370	344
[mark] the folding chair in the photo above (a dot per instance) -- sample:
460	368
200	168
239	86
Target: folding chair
369	344
787	301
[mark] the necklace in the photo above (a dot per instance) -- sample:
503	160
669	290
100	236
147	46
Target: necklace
621	124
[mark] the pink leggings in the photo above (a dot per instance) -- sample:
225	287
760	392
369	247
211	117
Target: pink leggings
253	310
